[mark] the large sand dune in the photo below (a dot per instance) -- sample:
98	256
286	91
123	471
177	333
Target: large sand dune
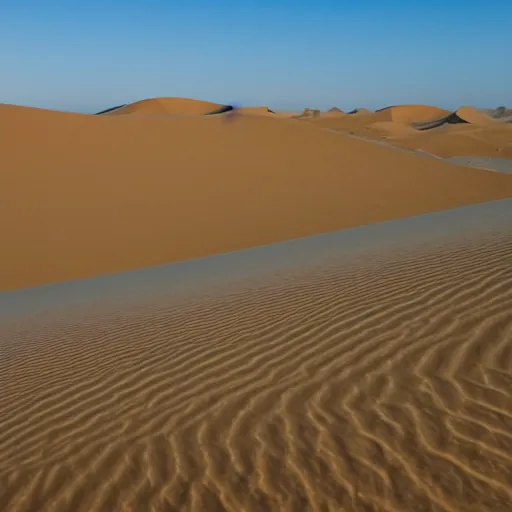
413	113
166	106
83	195
378	383
180	106
462	115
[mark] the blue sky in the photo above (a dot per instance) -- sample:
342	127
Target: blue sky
288	54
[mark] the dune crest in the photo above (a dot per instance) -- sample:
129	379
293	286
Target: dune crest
173	106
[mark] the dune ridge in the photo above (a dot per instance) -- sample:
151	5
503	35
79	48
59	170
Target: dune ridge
84	195
164	105
378	383
180	106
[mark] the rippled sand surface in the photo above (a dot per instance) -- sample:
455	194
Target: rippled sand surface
375	381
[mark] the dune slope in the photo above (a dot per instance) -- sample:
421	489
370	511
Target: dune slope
85	195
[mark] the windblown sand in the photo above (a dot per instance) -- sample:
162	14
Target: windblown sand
377	383
87	195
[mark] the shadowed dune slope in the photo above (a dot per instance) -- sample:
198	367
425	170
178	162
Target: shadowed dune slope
473	116
85	195
381	384
462	115
166	106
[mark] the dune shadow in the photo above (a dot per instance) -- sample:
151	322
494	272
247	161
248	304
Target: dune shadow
111	109
221	110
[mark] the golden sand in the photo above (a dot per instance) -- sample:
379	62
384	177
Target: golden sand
86	195
477	134
378	385
377	382
167	106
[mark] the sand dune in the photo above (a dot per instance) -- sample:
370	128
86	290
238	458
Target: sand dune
462	115
85	195
180	106
382	383
167	106
402	115
447	141
413	113
473	116
466	132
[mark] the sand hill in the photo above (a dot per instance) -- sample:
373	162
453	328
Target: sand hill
403	114
167	106
181	106
413	113
462	115
85	195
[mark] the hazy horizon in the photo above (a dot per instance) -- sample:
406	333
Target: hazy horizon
286	55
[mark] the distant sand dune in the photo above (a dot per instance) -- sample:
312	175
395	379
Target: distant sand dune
462	115
166	106
256	111
382	384
465	132
180	106
414	113
403	114
84	195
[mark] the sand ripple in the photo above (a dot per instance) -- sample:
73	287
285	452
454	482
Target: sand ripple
378	385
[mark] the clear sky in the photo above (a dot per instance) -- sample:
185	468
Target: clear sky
287	54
